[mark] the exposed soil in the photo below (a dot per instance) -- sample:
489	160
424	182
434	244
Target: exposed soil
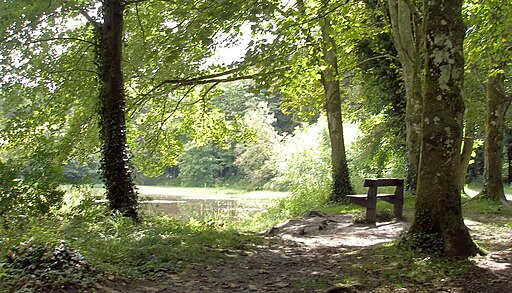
323	253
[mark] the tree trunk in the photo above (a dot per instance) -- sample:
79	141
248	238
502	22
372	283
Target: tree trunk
497	105
438	226
115	166
467	150
405	30
330	81
509	156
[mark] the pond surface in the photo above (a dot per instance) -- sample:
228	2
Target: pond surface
204	203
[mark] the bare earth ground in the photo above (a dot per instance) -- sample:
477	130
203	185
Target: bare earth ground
318	252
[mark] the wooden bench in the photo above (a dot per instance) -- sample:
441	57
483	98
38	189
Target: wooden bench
369	200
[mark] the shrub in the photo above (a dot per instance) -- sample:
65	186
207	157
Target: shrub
45	267
27	191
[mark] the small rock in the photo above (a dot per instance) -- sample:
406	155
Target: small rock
282	285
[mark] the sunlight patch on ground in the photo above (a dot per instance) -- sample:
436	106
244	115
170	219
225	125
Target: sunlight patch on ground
473	193
336	230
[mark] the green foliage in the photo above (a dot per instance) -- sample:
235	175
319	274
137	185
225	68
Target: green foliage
27	191
489	33
377	104
83	171
255	156
302	167
75	251
428	243
158	244
206	165
377	151
45	267
303	161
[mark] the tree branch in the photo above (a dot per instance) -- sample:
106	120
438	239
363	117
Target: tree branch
206	79
64	39
91	20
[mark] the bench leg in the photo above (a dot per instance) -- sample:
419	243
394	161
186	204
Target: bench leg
371	215
399	207
371	208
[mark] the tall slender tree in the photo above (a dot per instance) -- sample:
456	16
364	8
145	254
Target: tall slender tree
492	21
438	224
497	103
406	32
341	185
115	165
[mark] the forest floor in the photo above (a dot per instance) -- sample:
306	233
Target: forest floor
330	253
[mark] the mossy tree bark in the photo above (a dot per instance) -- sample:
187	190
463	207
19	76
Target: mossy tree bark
405	29
497	104
330	81
438	225
115	166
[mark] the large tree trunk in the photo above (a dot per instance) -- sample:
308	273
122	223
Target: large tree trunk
115	165
330	81
405	32
438	225
497	105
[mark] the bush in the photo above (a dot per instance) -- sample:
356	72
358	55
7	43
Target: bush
303	167
27	191
45	267
255	157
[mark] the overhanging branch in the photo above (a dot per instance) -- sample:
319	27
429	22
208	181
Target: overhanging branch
211	78
64	39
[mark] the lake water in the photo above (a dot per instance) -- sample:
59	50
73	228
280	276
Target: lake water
204	203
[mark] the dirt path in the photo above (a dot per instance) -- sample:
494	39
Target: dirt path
318	252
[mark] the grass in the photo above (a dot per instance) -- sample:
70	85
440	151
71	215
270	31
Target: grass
112	245
389	268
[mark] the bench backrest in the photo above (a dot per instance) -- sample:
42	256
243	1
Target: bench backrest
374	182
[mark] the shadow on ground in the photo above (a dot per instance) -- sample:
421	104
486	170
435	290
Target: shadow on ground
330	253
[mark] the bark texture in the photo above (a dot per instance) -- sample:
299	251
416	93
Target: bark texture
330	81
465	156
438	225
116	171
406	37
509	155
497	105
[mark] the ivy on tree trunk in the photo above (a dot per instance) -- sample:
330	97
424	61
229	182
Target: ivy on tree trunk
115	165
438	226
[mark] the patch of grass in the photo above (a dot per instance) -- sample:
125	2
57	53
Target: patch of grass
390	267
111	246
473	206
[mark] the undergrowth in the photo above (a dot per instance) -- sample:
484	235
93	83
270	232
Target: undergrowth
46	254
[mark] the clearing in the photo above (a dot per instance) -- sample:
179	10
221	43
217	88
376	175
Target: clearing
330	253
